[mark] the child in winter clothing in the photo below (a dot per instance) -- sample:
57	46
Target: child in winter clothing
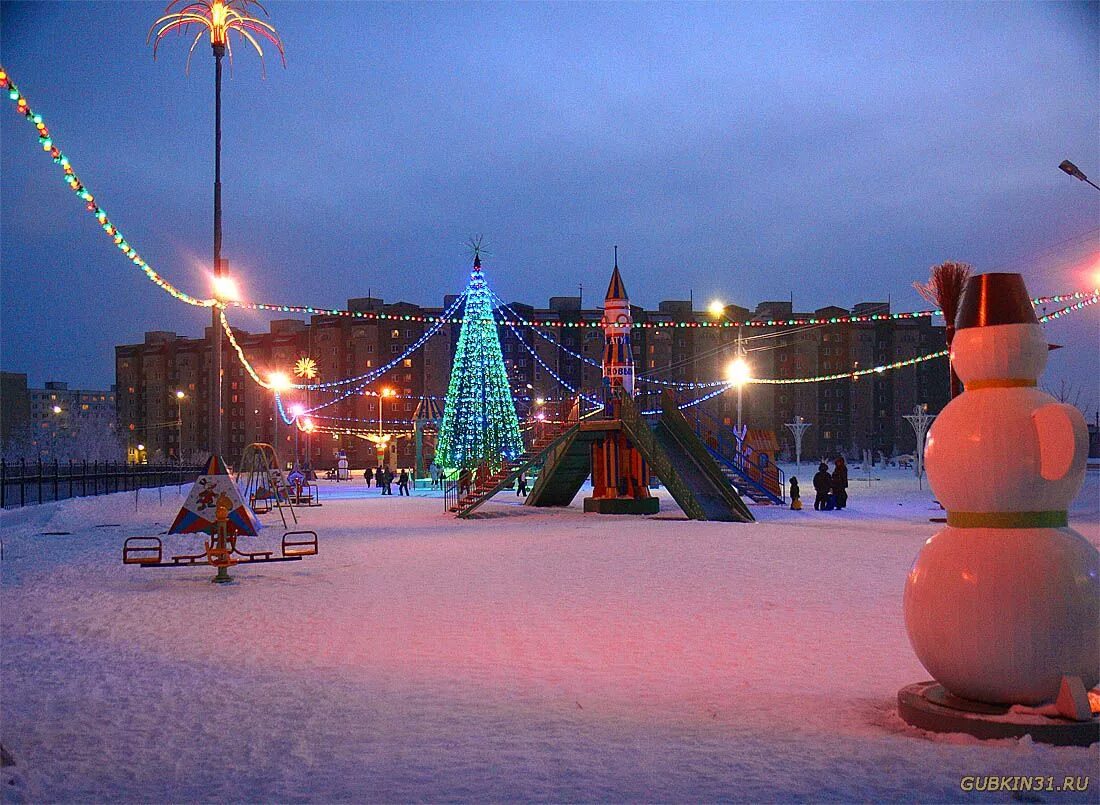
822	480
796	501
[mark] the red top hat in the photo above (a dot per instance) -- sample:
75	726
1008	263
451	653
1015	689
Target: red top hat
991	299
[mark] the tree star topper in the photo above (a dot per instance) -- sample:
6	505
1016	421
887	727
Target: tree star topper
219	17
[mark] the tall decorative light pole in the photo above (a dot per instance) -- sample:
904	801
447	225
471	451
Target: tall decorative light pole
218	17
180	397
297	410
381	441
279	383
738	373
306	369
920	419
797	428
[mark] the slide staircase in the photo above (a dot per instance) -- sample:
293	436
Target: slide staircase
760	481
486	483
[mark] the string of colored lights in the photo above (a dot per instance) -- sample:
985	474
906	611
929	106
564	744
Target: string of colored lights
595	363
82	192
370	376
820	378
46	141
723	324
555	375
364	432
1092	300
240	352
690	403
718	386
366	378
722	386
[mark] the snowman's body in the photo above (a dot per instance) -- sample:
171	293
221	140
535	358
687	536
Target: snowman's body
1005	601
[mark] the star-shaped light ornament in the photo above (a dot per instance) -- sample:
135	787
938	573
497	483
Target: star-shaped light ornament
306	367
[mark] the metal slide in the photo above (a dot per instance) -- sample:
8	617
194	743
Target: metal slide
674	454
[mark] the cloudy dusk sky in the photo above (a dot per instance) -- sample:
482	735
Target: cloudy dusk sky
742	151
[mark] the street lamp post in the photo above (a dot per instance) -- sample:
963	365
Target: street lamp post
297	411
278	382
382	440
920	419
797	428
1072	170
218	18
738	373
180	397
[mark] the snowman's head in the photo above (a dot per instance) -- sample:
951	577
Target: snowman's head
997	335
1002	352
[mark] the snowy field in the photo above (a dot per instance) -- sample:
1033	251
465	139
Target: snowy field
527	654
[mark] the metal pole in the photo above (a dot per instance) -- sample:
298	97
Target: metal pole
217	428
740	356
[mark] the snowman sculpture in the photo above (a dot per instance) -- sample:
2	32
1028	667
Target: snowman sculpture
1005	601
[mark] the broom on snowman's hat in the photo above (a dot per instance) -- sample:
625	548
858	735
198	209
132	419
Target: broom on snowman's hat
944	289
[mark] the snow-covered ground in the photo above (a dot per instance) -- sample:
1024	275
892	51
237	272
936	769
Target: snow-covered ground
527	654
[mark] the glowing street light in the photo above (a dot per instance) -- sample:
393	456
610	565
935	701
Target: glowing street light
57	409
738	373
278	382
717	308
386	392
225	288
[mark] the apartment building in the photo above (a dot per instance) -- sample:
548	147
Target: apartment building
847	415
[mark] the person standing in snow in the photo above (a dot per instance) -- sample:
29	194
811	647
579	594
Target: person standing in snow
839	482
436	475
796	501
821	486
521	485
379	477
403	483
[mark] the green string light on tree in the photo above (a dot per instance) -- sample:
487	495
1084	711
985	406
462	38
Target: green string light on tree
479	419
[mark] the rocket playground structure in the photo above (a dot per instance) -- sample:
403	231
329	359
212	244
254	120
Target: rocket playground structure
618	449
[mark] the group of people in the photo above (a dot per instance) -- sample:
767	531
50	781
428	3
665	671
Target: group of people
436	473
383	478
831	489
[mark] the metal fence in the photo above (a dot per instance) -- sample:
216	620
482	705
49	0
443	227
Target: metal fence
25	484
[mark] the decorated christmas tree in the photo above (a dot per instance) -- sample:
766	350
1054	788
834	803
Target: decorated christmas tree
479	420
